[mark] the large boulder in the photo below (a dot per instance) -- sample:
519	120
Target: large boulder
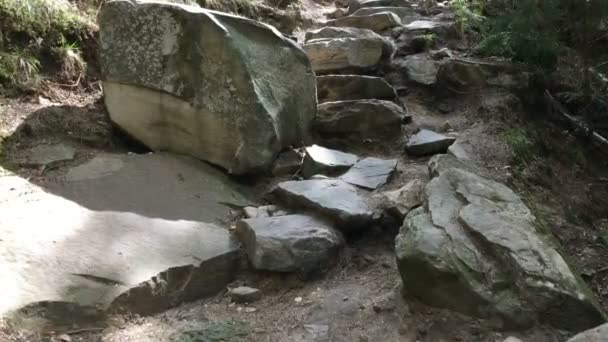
360	119
597	334
377	22
291	243
353	87
474	74
474	247
211	85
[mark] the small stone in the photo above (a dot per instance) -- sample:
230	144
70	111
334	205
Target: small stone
298	299
250	310
428	142
513	339
245	294
399	202
446	127
64	338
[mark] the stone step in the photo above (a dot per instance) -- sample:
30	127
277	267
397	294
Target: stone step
406	14
360	119
370	173
291	243
355	5
353	87
346	49
427	142
333	199
378	22
325	161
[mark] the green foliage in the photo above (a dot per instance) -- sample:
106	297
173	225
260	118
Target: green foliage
18	67
33	30
521	146
469	13
220	331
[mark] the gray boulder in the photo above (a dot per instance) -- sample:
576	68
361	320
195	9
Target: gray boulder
360	119
293	243
419	68
443	162
370	173
473	247
377	22
353	87
321	160
211	85
334	199
428	142
473	74
597	334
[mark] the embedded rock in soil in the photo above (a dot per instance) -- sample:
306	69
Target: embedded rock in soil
353	87
345	54
292	243
377	22
473	247
471	74
461	150
360	119
401	201
370	173
244	294
334	199
263	211
406	14
211	85
597	334
419	68
56	251
44	155
354	5
288	163
443	162
321	160
428	142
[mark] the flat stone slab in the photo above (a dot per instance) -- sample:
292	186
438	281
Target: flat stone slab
423	25
377	22
154	185
360	118
370	173
53	250
321	160
353	87
43	155
339	32
334	199
428	142
292	243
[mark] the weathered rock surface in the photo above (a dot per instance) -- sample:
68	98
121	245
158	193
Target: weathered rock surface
377	22
292	243
420	68
370	173
344	54
473	247
353	87
334	199
461	150
321	160
360	118
45	155
470	74
406	14
428	142
354	5
441	163
154	185
340	32
245	294
401	201
56	251
288	162
211	85
597	334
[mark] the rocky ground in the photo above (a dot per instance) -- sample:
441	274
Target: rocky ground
420	95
